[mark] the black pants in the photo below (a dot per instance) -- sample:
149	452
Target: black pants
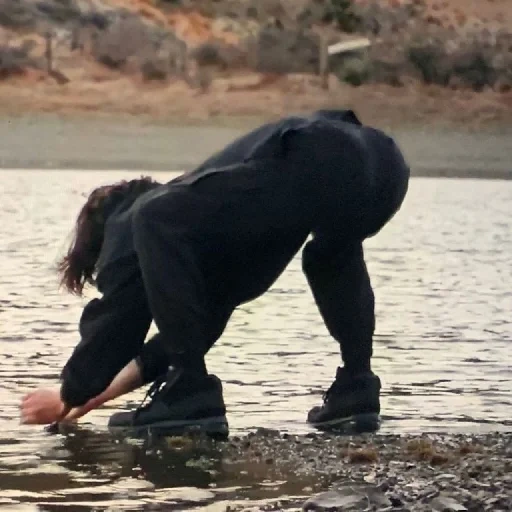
213	240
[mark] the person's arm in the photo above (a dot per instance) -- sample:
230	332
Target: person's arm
102	366
151	362
128	379
112	329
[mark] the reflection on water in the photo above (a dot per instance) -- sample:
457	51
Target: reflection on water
86	468
442	273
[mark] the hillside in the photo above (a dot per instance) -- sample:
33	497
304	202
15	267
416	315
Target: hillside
434	60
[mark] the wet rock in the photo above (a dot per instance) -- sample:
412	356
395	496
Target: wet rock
447	504
267	432
347	498
334	500
447	476
395	500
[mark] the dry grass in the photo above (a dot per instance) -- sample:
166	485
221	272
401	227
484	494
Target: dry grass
363	455
425	451
242	94
468	449
94	89
420	450
179	443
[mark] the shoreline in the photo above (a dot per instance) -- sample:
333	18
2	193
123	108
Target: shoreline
269	470
145	144
416	173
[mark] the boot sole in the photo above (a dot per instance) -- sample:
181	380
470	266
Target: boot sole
216	427
359	423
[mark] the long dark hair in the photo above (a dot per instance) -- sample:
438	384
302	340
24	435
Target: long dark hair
78	267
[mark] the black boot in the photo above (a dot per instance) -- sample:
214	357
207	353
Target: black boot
351	403
180	403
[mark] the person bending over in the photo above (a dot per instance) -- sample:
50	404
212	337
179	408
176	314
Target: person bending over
188	252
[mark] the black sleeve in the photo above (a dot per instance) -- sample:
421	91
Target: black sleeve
112	330
153	359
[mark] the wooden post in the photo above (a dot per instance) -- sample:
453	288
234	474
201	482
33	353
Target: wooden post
49	51
252	52
183	63
324	62
76	42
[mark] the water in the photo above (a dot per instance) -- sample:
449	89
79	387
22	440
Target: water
441	271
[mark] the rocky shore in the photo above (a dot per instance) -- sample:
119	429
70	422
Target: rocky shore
434	472
138	57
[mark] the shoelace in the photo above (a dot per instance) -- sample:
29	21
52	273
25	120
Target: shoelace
158	385
150	393
335	385
339	385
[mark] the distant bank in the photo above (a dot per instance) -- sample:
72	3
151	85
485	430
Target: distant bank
49	142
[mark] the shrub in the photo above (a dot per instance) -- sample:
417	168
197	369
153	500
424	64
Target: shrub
343	14
14	60
428	57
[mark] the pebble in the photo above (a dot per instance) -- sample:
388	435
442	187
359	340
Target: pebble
447	504
348	498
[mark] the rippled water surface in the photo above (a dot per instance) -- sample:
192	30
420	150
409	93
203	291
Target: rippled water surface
442	275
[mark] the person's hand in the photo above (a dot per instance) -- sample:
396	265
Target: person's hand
42	407
45	406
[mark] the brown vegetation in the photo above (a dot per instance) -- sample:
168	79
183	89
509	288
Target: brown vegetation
265	59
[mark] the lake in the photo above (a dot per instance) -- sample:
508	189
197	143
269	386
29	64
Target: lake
442	274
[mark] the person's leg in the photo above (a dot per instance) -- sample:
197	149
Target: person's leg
342	290
205	245
336	270
172	253
341	286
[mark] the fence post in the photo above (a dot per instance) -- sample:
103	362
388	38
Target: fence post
252	52
324	62
75	42
49	51
183	63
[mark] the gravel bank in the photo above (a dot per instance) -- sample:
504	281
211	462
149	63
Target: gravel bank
437	472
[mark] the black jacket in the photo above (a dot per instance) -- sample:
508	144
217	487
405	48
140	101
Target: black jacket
113	328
